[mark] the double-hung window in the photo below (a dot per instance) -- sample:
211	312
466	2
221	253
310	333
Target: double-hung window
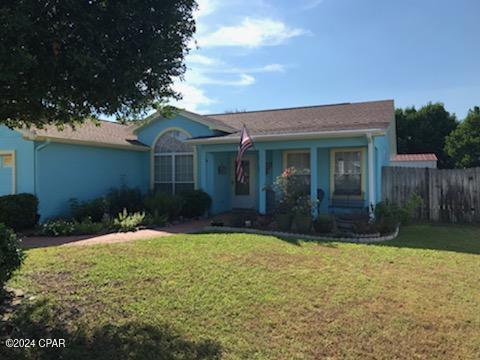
347	172
173	163
300	160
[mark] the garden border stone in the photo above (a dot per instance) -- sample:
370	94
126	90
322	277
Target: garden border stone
359	239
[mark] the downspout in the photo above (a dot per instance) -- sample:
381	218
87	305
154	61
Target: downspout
371	176
35	177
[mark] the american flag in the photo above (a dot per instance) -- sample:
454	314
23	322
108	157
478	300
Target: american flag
245	144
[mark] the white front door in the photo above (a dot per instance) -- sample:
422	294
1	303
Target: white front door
244	195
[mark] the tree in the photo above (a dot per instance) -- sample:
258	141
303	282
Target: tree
463	144
424	131
62	61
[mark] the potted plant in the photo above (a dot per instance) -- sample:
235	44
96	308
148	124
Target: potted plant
302	215
288	188
323	224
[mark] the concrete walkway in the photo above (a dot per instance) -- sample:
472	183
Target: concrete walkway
83	240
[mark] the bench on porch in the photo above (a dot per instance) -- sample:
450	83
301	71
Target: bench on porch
348	210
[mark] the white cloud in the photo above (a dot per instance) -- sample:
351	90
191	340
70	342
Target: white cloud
251	33
202	60
193	98
199	77
206	7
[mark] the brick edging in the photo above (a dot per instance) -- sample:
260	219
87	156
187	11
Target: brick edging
362	239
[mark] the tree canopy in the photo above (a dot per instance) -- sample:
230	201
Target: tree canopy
62	61
463	144
424	131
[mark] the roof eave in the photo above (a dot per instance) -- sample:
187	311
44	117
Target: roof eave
192	116
87	143
292	136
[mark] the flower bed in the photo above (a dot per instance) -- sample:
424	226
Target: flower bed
354	238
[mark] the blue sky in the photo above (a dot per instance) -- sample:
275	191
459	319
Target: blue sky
260	54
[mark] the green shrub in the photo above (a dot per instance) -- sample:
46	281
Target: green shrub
289	187
58	227
196	203
389	212
323	224
386	225
93	209
19	212
11	256
164	204
284	221
363	226
155	220
88	227
124	198
128	222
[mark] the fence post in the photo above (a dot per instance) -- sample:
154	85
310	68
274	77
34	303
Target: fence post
427	194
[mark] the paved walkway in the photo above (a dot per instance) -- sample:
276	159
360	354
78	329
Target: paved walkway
83	240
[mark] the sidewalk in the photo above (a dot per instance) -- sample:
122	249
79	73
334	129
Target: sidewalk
83	240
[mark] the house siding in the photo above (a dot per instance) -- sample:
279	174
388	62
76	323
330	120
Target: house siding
67	171
274	153
12	140
149	134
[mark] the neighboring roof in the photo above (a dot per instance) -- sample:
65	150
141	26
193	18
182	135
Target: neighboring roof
414	157
336	117
102	132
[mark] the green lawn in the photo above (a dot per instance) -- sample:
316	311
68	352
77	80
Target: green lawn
235	296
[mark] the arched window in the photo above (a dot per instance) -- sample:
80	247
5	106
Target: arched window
173	163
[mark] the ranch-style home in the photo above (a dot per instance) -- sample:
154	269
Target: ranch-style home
341	148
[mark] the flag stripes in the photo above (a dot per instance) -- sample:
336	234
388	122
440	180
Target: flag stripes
245	144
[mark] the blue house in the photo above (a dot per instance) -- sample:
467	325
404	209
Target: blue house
341	148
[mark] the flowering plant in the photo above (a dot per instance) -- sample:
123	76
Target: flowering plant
290	187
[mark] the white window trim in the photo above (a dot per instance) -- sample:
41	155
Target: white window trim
153	154
173	181
14	168
363	172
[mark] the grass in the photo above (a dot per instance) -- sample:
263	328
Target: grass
235	296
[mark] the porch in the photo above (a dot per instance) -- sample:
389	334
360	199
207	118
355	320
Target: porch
342	172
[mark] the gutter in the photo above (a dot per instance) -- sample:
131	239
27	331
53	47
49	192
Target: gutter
291	136
86	143
35	165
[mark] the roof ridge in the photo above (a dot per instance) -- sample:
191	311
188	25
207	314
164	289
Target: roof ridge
297	107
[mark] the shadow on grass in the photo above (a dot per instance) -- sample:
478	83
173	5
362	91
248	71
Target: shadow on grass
443	237
289	239
124	341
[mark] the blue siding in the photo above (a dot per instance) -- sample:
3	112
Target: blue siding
274	155
149	133
6	178
24	159
382	158
67	171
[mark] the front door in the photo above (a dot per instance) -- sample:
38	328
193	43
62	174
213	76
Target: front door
244	194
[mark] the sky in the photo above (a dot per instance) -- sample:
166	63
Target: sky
263	54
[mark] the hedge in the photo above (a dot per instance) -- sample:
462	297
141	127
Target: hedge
19	212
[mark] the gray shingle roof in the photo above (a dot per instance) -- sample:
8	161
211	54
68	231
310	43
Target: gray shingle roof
103	132
348	116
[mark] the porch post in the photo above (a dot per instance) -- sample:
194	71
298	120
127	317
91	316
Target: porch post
314	178
262	196
371	175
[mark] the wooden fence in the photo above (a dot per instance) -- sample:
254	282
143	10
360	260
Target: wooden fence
448	195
